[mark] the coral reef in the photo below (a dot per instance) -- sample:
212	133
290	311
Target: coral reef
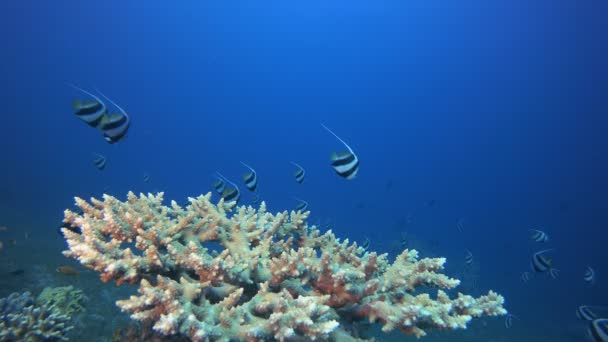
66	299
22	319
226	273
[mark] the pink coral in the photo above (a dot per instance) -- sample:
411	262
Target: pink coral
220	273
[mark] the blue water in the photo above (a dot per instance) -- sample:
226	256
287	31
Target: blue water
495	109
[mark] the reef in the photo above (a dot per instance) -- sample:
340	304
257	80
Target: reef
222	272
23	319
68	300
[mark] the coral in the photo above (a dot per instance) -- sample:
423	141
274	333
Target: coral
22	319
226	273
66	299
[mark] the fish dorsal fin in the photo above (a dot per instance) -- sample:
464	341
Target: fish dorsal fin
228	181
297	165
113	103
250	168
340	139
88	93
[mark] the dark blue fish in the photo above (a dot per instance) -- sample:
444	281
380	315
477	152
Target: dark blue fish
598	330
542	264
146	177
250	178
365	244
115	126
526	276
91	112
299	173
346	164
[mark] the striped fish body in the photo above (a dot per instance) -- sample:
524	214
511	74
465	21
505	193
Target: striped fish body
585	313
114	127
251	181
91	112
525	277
146	178
508	321
365	244
302	206
299	174
598	330
539	236
345	164
219	186
231	194
100	163
540	263
589	275
468	259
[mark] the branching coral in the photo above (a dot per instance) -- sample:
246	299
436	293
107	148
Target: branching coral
226	273
22	319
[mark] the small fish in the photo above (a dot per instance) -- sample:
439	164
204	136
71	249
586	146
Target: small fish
219	185
346	164
460	225
586	313
115	126
554	273
403	240
250	178
3	228
91	112
230	194
431	203
365	244
146	177
302	205
256	199
598	330
526	276
300	173
540	263
99	162
17	272
589	275
539	235
67	270
468	259
509	320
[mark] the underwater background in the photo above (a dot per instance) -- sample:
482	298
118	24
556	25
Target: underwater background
491	114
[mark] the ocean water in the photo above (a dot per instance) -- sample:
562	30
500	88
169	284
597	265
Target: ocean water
494	110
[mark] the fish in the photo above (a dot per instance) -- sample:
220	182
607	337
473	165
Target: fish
589	275
250	178
431	203
509	320
554	273
460	224
302	206
598	329
115	126
17	272
539	235
586	313
219	185
468	259
365	244
230	194
99	162
91	112
526	276
256	199
541	264
146	177
346	163
3	228
300	173
67	270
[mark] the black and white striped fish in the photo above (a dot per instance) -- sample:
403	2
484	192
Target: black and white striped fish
460	225
526	276
219	185
302	205
539	235
146	177
346	163
230	193
468	259
99	162
598	330
299	173
365	244
586	313
509	320
91	112
250	178
114	126
540	263
589	275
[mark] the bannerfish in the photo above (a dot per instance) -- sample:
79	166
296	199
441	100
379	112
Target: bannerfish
99	162
219	185
586	313
598	329
250	178
230	194
299	173
539	235
91	112
468	259
346	163
509	320
365	244
460	225
302	205
146	177
525	277
67	270
115	126
589	275
542	264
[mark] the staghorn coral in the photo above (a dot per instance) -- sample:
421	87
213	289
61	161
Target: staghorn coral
66	299
227	273
22	319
